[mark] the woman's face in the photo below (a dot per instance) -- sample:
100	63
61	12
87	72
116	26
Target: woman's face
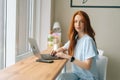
79	23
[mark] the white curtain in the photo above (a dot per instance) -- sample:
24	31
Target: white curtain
1	34
22	26
24	29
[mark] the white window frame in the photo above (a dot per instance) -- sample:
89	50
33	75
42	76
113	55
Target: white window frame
11	32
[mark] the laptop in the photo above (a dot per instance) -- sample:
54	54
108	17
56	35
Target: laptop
37	53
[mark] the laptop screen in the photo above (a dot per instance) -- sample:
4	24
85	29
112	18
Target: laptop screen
34	47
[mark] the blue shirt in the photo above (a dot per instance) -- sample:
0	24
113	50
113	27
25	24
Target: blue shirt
85	49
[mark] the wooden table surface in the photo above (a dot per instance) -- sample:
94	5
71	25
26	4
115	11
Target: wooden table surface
29	69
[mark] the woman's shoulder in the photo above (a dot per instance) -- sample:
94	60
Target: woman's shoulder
87	38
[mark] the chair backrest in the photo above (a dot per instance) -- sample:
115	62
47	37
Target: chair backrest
102	67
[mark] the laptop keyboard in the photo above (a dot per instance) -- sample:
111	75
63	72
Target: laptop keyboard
49	57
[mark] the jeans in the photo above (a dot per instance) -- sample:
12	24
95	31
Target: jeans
72	76
68	76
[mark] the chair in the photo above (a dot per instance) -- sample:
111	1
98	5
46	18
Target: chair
102	67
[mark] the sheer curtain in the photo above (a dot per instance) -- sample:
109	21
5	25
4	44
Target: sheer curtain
2	34
27	26
23	28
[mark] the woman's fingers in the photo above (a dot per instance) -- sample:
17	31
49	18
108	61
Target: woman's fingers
53	52
60	54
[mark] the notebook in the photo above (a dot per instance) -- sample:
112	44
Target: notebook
37	53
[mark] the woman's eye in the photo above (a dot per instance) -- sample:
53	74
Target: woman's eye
81	21
75	21
78	21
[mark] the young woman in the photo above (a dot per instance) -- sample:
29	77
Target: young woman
82	50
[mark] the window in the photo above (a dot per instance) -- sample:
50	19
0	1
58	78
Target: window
19	29
20	20
32	16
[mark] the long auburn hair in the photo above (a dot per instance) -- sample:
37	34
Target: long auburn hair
72	32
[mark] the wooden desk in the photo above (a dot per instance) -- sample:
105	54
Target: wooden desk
29	69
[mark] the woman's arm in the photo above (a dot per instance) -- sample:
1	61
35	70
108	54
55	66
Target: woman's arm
83	64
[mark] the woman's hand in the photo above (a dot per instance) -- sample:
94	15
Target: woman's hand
62	55
54	52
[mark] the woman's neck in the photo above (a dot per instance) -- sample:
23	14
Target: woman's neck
81	34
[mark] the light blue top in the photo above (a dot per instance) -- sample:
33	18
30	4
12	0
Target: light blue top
85	49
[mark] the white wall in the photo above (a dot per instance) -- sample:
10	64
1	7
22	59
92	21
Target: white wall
106	25
52	13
